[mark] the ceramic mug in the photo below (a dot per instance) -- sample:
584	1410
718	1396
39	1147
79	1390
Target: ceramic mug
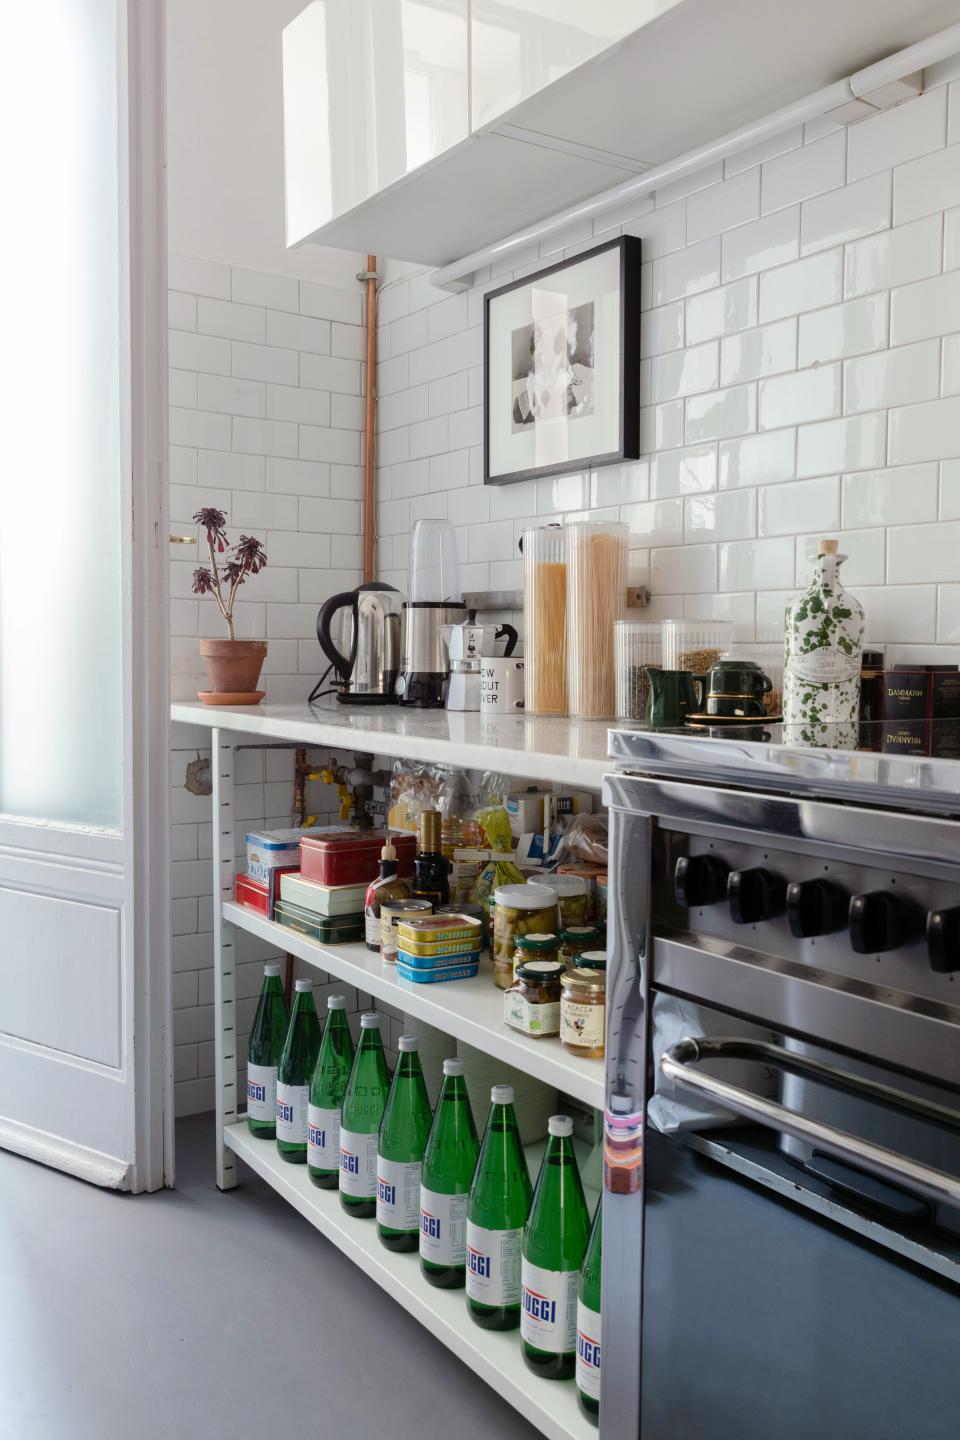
501	685
737	687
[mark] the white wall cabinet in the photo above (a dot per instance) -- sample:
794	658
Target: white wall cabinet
425	129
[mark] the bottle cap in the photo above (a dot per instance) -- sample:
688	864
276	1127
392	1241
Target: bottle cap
369	1020
336	1002
560	1125
302	985
828	547
271	969
406	1043
389	852
501	1095
429	831
453	1066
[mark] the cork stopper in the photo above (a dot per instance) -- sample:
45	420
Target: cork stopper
388	852
828	547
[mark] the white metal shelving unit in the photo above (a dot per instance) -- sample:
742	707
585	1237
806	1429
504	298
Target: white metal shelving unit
566	751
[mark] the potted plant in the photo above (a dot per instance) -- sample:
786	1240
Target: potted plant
233	666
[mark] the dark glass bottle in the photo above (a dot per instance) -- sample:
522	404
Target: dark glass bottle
403	1138
554	1243
387	886
294	1072
263	1055
431	880
448	1165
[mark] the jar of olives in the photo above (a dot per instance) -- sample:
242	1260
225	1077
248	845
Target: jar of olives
576	940
521	910
535	946
532	1004
583	1006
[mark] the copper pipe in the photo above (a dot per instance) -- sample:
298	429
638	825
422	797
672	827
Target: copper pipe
369	450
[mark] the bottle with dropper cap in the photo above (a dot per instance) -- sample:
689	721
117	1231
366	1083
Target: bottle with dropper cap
387	886
823	646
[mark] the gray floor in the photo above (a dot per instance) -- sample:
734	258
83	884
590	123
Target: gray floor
193	1314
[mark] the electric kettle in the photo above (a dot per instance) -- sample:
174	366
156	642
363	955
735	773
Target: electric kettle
368	628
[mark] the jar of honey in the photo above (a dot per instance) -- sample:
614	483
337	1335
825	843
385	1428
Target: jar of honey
583	1006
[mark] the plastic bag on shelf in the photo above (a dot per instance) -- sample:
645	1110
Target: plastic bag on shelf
583	839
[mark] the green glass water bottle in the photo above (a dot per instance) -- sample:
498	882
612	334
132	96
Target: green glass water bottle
403	1139
330	1076
293	1074
448	1165
363	1105
588	1325
498	1210
263	1055
554	1243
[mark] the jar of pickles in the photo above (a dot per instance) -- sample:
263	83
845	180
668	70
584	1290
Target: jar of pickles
521	910
532	1004
576	940
583	1006
573	896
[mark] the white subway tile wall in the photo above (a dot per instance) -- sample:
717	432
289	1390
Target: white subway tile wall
801	375
259	364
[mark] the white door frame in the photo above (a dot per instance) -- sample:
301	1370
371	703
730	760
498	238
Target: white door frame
109	1119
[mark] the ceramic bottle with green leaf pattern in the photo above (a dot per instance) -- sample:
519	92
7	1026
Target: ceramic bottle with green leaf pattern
823	643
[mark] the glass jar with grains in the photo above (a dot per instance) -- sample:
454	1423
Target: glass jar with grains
532	1004
583	1006
521	910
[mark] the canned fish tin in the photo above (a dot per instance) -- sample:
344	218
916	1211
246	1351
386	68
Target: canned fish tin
439	929
390	915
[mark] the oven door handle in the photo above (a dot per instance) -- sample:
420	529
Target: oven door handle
677	1064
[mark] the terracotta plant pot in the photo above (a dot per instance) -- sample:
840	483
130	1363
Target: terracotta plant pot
233	668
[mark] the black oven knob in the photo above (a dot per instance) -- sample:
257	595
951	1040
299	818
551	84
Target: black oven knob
878	921
754	895
815	907
699	880
943	940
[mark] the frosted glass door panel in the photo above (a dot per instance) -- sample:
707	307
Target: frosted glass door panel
60	441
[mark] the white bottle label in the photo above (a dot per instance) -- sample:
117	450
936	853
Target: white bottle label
292	1102
398	1193
588	1351
827	665
548	1317
371	929
443	1227
323	1138
493	1265
358	1164
262	1093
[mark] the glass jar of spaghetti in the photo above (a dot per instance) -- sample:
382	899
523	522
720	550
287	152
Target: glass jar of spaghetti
583	1006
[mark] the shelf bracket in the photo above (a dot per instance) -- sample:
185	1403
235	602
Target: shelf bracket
224	955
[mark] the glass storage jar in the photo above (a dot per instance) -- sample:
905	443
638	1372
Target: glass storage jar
596	596
532	1004
583	1006
636	644
573	897
545	620
695	645
535	946
521	910
577	939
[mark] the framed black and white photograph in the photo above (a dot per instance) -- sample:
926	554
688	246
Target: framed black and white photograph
561	352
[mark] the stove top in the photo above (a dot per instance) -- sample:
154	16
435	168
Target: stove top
757	754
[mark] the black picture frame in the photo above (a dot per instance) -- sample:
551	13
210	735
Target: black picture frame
629	364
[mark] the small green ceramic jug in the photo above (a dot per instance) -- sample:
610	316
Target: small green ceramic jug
673	694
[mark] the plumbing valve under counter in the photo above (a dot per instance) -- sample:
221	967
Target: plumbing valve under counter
782	1221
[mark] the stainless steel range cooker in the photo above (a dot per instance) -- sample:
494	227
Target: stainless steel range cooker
782	1204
